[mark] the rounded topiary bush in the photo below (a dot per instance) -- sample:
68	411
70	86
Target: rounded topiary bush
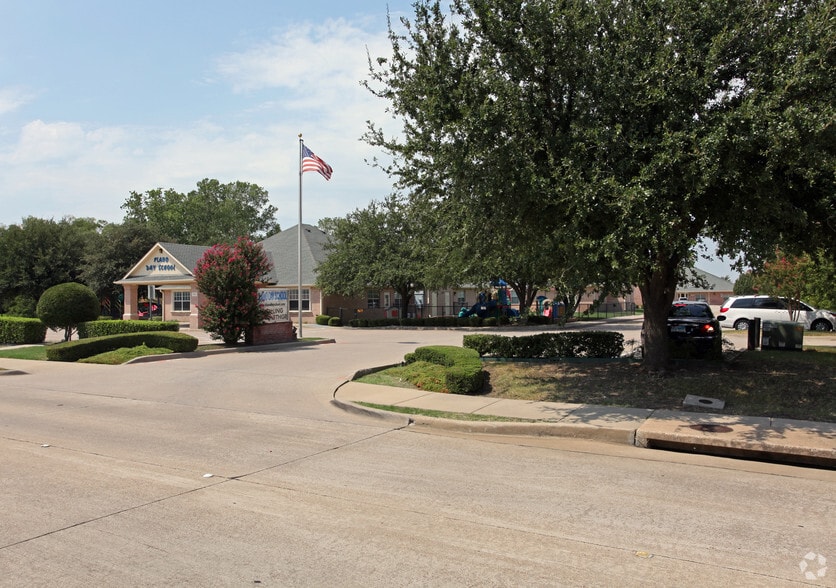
335	321
66	305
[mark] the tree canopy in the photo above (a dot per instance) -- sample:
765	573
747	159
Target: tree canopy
625	129
213	213
40	253
376	247
112	252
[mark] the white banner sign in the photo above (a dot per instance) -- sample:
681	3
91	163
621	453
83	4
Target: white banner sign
276	301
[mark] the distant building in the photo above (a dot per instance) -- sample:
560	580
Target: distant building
712	289
166	274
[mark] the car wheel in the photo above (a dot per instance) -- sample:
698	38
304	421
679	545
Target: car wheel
741	324
821	325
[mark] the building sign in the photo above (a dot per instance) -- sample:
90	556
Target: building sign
276	301
160	264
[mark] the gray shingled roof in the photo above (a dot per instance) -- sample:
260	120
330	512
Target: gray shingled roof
282	248
715	283
188	255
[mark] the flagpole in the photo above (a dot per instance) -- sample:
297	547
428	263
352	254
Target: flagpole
299	241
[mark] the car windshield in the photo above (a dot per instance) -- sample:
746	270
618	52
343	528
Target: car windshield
690	310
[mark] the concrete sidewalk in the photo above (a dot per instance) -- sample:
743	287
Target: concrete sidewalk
781	440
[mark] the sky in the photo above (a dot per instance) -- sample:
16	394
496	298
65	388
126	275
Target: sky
102	98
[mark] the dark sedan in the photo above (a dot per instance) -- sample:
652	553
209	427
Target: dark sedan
693	331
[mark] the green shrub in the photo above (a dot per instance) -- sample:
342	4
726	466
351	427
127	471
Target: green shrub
600	344
66	305
464	379
322	319
15	330
75	350
22	305
101	328
335	321
463	369
445	355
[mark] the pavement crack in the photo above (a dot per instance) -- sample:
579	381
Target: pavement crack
107	516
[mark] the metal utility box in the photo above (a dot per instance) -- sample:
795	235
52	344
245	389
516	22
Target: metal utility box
782	335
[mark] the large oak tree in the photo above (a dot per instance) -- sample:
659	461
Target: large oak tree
629	129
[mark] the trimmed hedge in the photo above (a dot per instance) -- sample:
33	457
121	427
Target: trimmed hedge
463	373
600	344
335	321
15	330
322	319
104	327
75	350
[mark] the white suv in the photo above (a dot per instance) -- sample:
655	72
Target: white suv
740	310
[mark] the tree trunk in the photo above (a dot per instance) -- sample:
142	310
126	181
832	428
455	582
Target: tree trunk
406	296
657	296
525	294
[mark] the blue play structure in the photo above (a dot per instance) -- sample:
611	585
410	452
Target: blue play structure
488	306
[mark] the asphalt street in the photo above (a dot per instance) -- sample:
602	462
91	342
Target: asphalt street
235	469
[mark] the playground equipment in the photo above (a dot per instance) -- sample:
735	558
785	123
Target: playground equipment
489	306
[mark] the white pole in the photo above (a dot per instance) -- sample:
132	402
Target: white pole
299	241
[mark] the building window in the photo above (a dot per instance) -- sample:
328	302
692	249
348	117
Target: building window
372	299
293	299
182	301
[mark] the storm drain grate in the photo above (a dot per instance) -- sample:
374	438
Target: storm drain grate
710	428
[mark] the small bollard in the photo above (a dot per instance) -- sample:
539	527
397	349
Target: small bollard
754	334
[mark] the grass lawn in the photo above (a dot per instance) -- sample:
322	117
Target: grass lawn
786	384
38	353
35	352
123	354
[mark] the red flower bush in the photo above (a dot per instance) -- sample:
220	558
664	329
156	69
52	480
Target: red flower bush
229	276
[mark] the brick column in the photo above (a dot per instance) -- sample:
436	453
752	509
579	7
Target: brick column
130	307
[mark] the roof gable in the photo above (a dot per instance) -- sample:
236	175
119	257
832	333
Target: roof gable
167	261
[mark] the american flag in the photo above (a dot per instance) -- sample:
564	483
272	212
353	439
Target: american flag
311	162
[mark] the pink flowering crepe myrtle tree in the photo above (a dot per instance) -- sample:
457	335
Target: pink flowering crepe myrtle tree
228	275
786	276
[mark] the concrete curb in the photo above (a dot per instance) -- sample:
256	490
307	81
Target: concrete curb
248	349
541	429
397	418
760	438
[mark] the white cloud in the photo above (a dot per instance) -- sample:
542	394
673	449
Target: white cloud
305	79
13	98
300	57
40	141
